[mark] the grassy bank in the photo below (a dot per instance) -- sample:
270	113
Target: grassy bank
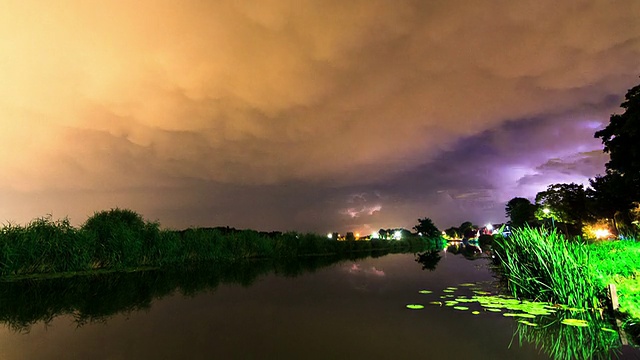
118	239
541	264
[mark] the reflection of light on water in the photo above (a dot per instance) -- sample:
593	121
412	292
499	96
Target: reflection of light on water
357	269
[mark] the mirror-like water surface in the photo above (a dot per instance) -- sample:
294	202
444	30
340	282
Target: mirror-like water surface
351	309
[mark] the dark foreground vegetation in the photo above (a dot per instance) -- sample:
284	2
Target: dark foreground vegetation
118	239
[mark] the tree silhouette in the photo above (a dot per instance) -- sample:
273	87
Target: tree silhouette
427	228
520	211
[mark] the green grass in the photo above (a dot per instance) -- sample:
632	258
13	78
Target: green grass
618	262
120	239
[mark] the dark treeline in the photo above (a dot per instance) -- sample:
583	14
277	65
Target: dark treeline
612	201
120	239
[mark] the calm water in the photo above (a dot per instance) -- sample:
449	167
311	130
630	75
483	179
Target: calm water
349	310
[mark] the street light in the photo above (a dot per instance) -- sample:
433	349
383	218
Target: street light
489	227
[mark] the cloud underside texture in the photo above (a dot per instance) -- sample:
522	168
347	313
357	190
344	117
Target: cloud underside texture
212	105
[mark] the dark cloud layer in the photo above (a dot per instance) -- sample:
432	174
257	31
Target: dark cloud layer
314	115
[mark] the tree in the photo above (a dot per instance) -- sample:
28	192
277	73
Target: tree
620	139
566	203
452	232
468	230
427	228
520	211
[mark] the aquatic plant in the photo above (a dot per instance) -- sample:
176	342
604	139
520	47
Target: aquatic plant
561	331
543	265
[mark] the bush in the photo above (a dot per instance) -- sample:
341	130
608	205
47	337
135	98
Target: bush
119	236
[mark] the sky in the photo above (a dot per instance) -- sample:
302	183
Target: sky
311	116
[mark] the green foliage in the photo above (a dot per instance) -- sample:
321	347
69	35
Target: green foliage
543	265
621	138
427	228
43	246
520	211
568	202
453	232
121	240
618	262
121	237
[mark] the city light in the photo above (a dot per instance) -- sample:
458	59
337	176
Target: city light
375	235
329	235
397	235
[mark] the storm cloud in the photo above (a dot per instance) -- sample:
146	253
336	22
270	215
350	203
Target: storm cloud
277	114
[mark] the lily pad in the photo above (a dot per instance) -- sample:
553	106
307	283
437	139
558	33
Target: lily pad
493	310
461	308
425	291
448	291
528	316
436	303
415	306
475	312
467	284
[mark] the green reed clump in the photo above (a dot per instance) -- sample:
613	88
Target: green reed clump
122	238
541	264
43	246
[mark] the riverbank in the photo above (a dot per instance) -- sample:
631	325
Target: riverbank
121	240
542	265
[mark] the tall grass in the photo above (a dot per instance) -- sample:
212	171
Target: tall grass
120	239
541	264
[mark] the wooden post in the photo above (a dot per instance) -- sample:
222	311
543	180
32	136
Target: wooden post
614	297
614	308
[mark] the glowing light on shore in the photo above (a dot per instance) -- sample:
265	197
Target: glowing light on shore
602	233
329	236
397	235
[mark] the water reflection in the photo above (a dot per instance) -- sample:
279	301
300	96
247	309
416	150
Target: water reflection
596	340
429	259
95	298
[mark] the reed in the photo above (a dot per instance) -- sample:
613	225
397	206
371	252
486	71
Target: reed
541	264
120	239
